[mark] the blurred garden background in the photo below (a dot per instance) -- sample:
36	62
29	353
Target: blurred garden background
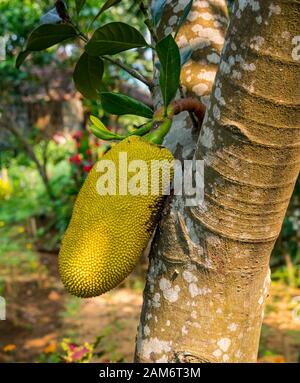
46	152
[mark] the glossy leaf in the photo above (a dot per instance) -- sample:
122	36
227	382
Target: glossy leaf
107	136
88	75
113	38
108	4
185	14
142	129
47	35
100	131
169	57
119	104
102	135
21	58
99	124
157	9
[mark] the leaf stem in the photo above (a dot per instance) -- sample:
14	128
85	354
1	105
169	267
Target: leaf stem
82	36
157	136
134	73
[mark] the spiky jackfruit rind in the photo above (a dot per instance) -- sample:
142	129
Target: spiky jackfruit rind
107	234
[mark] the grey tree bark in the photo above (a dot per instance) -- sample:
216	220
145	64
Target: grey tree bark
209	276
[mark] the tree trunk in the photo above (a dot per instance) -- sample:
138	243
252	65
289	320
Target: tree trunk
209	265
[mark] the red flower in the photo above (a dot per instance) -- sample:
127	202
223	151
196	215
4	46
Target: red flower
88	152
73	346
76	159
87	168
80	353
77	135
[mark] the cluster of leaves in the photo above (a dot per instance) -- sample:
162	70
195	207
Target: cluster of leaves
16	21
109	40
27	197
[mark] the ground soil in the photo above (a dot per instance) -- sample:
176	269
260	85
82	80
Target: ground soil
40	314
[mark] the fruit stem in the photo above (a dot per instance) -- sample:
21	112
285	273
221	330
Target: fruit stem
188	104
157	136
142	130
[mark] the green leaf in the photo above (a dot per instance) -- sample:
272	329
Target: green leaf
88	75
157	9
79	5
99	130
47	35
169	57
185	14
145	128
21	58
119	104
99	124
102	135
44	37
113	38
108	4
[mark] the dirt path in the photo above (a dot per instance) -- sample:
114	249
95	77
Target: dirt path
33	305
113	316
41	314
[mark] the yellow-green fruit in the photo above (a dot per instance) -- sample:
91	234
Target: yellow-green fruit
108	233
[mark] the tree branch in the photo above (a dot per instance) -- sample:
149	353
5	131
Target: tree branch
192	117
44	155
188	104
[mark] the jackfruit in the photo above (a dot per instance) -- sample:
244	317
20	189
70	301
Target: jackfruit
108	233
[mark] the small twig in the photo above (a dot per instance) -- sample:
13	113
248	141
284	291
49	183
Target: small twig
81	35
192	117
44	155
131	71
189	104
